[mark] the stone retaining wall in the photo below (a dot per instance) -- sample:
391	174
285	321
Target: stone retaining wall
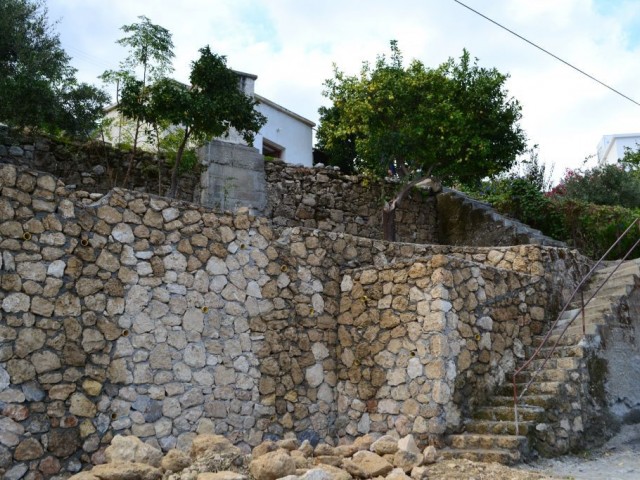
326	199
128	313
421	343
96	167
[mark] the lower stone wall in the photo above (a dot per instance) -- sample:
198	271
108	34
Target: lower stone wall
421	343
132	314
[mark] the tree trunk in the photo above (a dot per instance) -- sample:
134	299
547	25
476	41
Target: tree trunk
389	209
159	159
174	172
389	222
132	156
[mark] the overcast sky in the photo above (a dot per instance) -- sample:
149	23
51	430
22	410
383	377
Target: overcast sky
292	44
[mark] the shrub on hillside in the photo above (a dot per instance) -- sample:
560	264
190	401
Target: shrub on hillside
594	228
588	210
603	185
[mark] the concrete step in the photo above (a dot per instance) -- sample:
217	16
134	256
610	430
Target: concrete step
629	267
574	316
545	375
567	363
566	340
599	306
536	400
525	413
506	457
499	427
615	287
571	338
536	388
465	441
562	351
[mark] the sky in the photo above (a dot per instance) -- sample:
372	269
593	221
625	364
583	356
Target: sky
291	45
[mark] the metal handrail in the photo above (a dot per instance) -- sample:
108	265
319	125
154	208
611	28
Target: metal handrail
587	277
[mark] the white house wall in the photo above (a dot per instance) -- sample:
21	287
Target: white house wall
286	131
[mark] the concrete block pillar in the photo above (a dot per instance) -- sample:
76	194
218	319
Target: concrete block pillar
233	177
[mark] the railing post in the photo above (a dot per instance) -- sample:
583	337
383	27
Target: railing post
584	331
515	404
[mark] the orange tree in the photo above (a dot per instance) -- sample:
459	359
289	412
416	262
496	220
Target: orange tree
455	122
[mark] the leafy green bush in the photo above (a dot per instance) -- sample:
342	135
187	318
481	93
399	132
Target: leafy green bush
520	198
586	210
594	228
520	195
603	185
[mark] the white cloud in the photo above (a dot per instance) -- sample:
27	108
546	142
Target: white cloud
291	46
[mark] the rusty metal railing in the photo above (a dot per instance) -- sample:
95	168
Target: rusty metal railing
587	277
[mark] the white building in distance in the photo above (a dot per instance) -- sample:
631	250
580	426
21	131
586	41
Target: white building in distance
286	135
612	147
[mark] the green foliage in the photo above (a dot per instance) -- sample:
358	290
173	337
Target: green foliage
150	54
596	206
521	195
574	218
602	185
150	48
82	108
594	228
209	108
169	145
631	160
148	60
38	88
340	152
456	119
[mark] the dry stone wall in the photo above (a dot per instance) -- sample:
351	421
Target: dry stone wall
97	167
132	314
421	342
326	199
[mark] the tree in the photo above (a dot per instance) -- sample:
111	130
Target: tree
210	107
341	153
38	88
456	122
149	59
601	185
631	160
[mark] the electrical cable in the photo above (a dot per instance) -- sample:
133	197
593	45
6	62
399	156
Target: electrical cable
548	52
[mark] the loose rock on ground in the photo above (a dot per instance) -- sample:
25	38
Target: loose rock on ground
213	457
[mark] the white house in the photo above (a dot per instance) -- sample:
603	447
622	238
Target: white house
612	147
286	135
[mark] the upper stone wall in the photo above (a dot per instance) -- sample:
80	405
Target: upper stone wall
320	198
326	199
329	200
465	221
97	167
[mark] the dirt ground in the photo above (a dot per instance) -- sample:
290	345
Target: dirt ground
618	459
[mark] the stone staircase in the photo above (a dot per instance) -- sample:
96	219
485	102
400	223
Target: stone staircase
490	434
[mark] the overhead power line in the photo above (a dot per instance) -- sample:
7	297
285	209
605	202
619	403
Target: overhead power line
548	53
